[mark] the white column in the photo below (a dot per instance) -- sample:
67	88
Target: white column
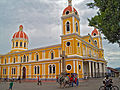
89	68
104	66
96	69
93	69
100	67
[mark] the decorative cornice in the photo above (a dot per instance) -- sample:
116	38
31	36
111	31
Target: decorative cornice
33	49
70	15
14	39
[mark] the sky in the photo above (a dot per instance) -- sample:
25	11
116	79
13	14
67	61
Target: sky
41	20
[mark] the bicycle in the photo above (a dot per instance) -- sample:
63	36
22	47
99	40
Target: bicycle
109	88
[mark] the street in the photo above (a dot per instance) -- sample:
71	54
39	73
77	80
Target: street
90	84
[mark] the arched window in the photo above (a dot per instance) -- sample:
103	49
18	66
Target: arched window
52	55
24	44
5	61
20	44
37	57
95	42
27	58
79	67
53	68
14	70
67	12
89	40
16	44
38	69
21	59
14	60
76	27
68	26
5	70
68	43
35	70
76	13
78	44
50	69
24	58
94	34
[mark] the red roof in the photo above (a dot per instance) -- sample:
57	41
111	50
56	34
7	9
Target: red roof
69	8
20	34
112	69
94	31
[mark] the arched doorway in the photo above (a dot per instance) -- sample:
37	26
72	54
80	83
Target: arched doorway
24	72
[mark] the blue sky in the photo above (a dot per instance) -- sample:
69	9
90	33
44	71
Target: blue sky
41	20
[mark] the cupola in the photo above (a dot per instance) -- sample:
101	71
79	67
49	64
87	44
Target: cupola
19	40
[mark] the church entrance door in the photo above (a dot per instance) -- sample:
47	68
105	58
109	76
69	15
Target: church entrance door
24	72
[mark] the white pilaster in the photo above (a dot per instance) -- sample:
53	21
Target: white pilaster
77	67
8	71
44	69
59	68
0	60
18	71
30	71
74	66
9	60
73	25
30	56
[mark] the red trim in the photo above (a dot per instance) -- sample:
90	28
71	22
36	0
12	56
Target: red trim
69	8
94	31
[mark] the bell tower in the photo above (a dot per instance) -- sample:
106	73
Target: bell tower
70	29
70	20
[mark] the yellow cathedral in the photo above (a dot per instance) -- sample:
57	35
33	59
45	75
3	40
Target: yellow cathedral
85	54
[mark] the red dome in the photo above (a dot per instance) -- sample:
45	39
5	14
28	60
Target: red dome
94	32
20	33
69	8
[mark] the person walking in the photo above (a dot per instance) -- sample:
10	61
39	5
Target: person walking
39	81
19	79
11	85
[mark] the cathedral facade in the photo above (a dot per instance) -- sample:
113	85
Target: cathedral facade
85	54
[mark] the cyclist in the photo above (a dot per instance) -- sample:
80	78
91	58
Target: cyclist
107	81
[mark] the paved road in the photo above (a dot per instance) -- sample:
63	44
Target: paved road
91	84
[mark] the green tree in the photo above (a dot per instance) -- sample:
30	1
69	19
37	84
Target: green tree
107	19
